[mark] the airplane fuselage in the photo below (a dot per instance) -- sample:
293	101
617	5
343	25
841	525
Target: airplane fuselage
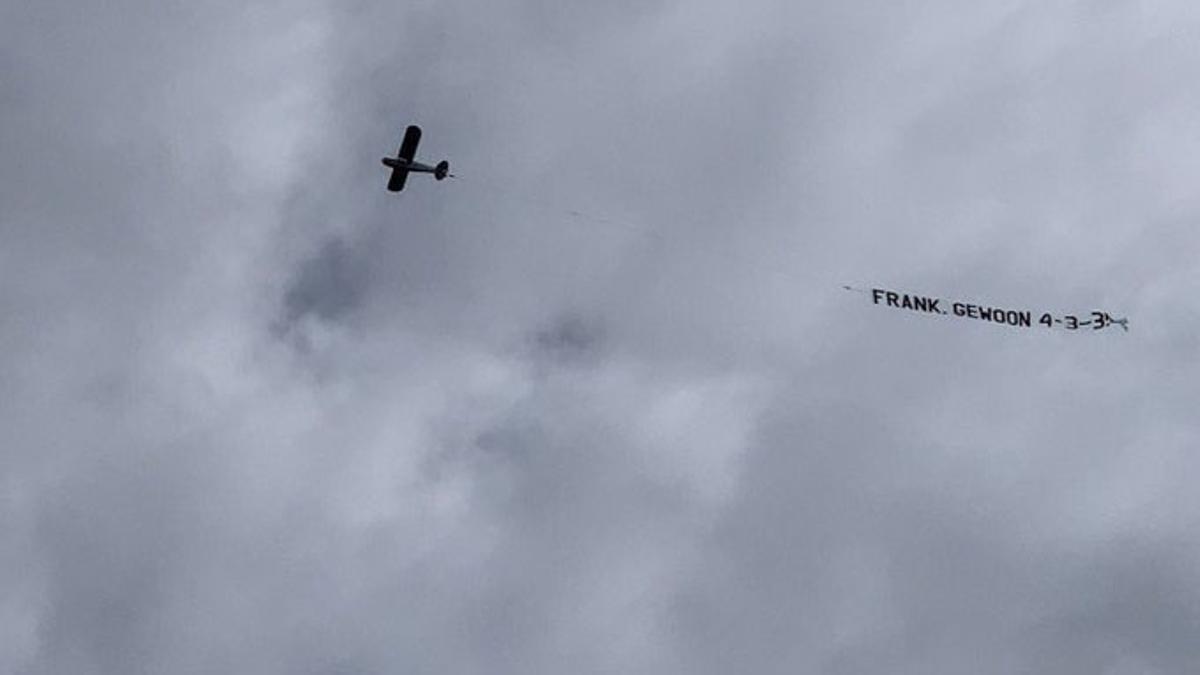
400	163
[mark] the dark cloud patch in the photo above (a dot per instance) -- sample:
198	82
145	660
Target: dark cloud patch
1131	605
330	285
570	338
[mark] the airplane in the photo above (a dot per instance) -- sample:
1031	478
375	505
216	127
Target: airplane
402	164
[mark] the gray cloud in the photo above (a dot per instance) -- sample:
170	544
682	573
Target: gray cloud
328	285
599	404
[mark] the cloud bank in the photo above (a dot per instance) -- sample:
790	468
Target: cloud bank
599	404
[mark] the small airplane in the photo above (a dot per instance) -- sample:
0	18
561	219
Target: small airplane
402	164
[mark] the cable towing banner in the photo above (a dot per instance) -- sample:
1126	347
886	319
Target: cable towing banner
1017	318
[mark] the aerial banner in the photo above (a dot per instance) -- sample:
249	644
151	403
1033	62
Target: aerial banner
1016	318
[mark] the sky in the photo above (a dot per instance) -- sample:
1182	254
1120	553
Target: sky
600	403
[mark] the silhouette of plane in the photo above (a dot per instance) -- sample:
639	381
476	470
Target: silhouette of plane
402	164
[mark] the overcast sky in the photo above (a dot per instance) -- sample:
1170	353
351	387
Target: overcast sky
600	404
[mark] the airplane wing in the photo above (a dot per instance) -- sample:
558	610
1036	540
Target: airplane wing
408	148
396	182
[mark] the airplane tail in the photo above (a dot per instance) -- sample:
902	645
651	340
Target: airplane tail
442	170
